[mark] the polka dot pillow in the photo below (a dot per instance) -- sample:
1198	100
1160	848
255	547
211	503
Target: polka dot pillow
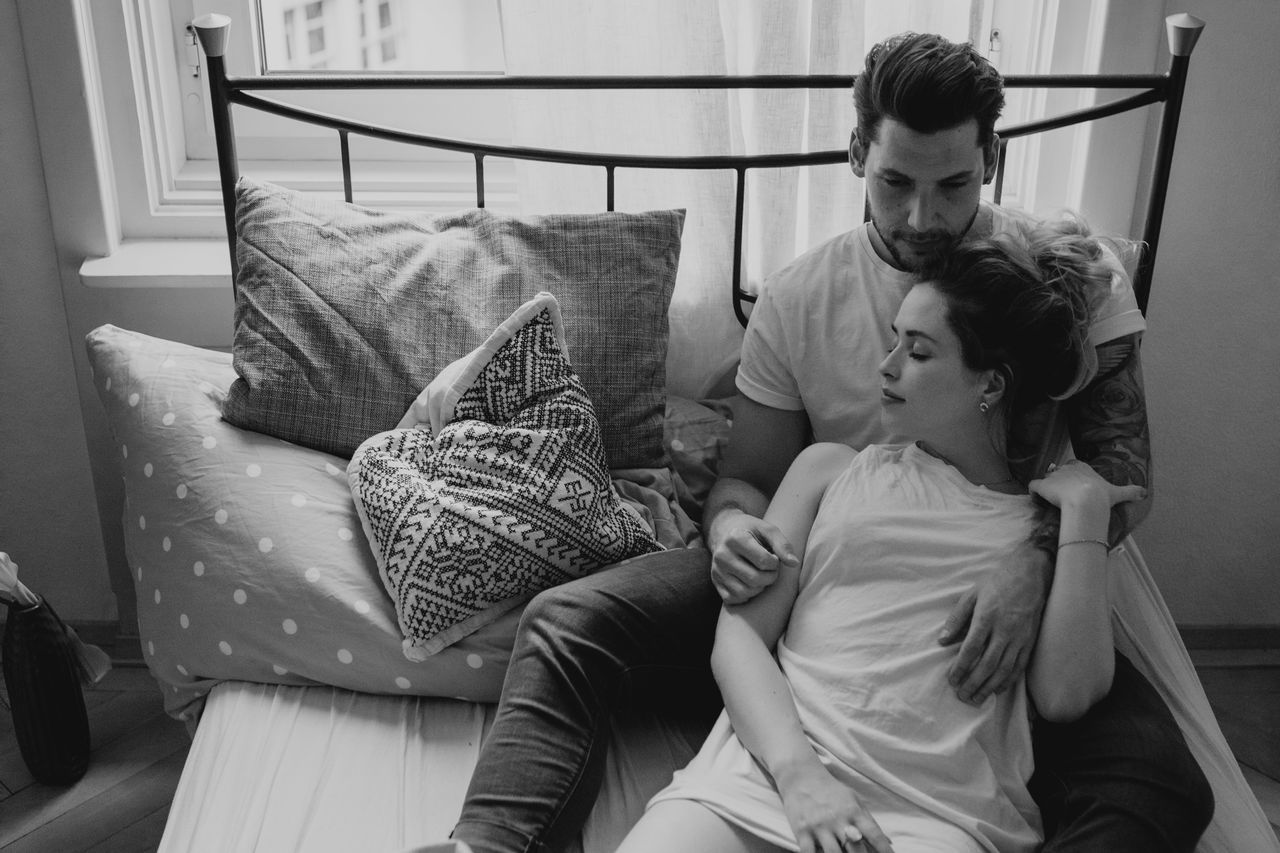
247	555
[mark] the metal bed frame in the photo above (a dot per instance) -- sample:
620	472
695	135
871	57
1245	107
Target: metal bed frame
1165	89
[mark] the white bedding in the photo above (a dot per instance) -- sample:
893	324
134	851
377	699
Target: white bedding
281	768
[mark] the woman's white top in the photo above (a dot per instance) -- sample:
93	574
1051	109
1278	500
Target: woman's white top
899	537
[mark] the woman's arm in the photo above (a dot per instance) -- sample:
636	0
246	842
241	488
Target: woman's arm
757	696
755	693
1074	658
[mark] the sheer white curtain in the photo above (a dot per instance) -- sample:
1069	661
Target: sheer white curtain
787	210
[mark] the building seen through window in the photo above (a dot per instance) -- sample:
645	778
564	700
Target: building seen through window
436	36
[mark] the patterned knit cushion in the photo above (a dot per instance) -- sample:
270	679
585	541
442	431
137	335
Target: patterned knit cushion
344	313
502	493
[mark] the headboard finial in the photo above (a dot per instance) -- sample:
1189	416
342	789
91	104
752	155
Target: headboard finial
212	31
1183	30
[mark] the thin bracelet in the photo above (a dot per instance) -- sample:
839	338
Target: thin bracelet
1101	542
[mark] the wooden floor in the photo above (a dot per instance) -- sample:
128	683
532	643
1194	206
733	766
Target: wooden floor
123	800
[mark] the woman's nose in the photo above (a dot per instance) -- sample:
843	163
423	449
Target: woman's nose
886	366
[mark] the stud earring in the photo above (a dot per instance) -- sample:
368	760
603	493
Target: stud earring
984	407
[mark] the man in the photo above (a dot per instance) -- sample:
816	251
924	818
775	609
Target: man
925	145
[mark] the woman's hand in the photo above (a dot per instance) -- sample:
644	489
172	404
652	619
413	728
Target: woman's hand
825	815
1074	484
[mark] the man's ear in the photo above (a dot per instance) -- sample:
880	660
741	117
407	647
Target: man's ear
857	154
991	159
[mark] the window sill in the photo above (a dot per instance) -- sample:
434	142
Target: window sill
189	264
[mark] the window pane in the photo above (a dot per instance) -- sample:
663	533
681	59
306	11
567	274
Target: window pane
425	36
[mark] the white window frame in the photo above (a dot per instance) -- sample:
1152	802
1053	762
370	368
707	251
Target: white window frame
165	174
122	171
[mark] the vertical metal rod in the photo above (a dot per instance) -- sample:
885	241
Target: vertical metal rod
998	192
608	171
212	32
739	215
479	180
346	164
1160	180
228	163
1182	31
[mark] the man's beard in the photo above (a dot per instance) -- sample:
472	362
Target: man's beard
922	261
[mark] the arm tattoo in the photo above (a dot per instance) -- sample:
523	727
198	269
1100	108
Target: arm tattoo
1045	534
1107	422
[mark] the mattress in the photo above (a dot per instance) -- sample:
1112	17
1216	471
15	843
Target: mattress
280	768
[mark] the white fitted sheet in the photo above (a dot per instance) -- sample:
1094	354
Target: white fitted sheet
284	768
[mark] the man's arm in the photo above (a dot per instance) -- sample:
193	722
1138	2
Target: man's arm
745	550
1107	422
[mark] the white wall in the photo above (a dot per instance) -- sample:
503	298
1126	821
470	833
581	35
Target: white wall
1212	353
48	514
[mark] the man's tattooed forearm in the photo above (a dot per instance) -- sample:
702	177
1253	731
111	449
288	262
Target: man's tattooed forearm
1110	430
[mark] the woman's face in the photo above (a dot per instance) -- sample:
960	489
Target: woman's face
928	394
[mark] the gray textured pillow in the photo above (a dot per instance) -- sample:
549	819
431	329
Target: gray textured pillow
344	313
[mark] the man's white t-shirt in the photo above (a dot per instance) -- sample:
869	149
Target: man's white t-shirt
822	325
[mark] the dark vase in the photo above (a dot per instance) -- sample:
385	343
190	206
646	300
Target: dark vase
43	679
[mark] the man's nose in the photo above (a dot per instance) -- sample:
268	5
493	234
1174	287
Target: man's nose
922	210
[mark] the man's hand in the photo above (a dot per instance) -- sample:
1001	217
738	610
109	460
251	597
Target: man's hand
746	554
998	621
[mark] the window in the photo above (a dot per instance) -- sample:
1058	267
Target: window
155	124
456	36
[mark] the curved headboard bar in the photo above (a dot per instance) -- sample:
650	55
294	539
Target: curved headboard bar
1182	31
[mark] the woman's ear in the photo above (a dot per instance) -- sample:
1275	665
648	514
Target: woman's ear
857	154
995	387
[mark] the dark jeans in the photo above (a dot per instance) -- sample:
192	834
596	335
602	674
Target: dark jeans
1121	778
640	634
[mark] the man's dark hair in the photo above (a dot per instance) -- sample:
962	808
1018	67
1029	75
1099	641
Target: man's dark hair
929	84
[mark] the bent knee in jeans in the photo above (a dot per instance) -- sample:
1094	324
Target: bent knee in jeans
1121	776
653	613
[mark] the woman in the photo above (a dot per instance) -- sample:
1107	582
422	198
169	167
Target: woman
840	728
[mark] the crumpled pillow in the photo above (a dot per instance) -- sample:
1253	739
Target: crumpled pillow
500	491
